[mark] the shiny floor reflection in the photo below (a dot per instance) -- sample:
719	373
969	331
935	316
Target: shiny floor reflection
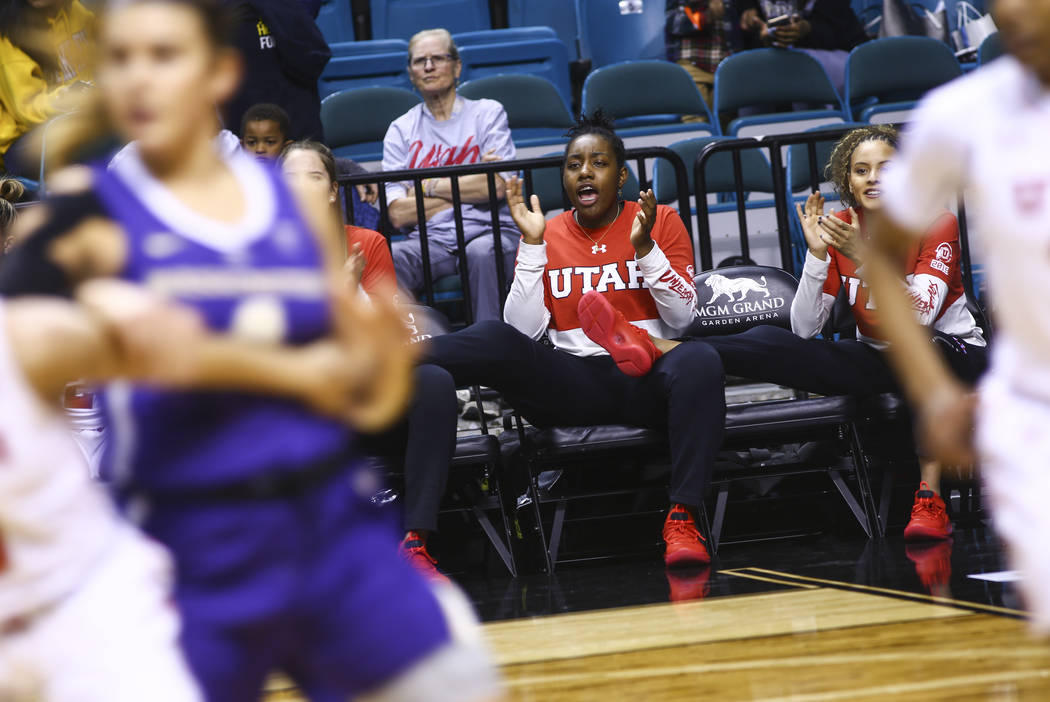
938	569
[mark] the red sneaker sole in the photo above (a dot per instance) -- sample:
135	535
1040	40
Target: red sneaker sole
599	322
920	532
686	557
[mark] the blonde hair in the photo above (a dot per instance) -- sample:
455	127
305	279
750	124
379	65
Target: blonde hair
442	34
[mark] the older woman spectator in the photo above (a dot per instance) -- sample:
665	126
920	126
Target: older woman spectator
446	130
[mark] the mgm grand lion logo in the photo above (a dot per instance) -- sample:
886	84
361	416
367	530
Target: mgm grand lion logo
744	300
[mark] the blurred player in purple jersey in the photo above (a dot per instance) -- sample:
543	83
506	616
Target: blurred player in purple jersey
282	560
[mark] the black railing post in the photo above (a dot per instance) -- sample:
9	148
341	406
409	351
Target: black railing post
497	239
461	249
741	206
424	244
780	196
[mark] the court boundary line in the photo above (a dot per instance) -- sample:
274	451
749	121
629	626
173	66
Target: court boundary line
887	592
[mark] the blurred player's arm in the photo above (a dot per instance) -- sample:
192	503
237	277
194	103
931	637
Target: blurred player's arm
929	171
121	331
371	334
945	406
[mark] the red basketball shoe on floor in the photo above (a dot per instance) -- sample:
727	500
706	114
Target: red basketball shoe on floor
683	543
629	346
414	550
929	520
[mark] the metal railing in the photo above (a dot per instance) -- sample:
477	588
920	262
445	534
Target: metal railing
525	169
782	195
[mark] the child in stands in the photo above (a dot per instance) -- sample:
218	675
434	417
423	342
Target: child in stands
265	130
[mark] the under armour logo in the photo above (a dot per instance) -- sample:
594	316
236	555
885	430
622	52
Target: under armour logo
595	249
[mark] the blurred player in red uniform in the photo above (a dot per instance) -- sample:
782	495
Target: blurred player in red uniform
986	134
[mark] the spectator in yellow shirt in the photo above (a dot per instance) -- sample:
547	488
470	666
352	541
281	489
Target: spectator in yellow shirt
44	46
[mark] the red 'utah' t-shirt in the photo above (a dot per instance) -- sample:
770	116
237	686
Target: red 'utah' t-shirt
576	265
936	255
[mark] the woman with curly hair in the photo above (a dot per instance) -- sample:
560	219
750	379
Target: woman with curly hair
837	245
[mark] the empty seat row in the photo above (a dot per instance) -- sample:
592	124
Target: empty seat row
597	30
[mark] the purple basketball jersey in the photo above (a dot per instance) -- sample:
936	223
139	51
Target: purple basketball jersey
261	279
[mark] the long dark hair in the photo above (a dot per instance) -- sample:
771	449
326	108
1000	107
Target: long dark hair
27	28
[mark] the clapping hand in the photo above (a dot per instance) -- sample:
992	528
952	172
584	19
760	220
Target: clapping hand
844	237
530	220
642	228
809	216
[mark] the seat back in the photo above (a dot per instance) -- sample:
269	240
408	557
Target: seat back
499	36
641	88
336	21
991	48
559	15
733	300
400	19
530	101
611	32
767	78
897	69
362	115
546	57
361	64
756	173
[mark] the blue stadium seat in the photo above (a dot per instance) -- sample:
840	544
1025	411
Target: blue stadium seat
547	58
559	15
647	98
608	37
497	36
336	21
991	48
885	77
756	173
355	121
536	112
358	64
400	19
770	79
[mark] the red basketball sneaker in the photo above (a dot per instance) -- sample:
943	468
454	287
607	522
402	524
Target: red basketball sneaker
629	346
683	543
414	550
929	520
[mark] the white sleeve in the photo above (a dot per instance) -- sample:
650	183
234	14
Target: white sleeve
525	309
675	296
931	166
927	293
812	306
395	158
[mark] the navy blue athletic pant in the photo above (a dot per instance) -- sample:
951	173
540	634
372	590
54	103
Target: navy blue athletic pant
684	394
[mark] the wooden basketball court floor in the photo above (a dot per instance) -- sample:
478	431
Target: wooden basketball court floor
807	639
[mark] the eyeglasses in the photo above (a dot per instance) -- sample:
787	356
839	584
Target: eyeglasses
439	61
